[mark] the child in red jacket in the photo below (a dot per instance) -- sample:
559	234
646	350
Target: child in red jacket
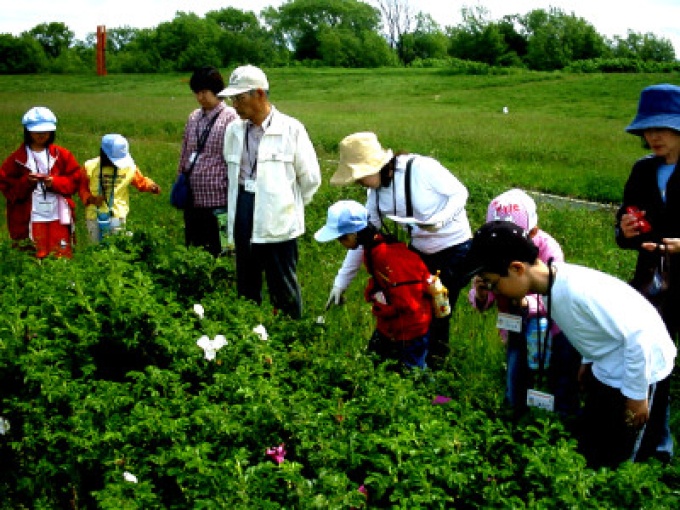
38	180
397	288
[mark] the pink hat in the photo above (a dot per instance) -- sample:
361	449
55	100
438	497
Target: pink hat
516	206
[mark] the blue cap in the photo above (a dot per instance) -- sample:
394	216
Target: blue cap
39	119
659	107
117	150
344	217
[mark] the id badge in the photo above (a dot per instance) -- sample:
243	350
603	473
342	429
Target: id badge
44	208
249	185
510	322
541	400
193	159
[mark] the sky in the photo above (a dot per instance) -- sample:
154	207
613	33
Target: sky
609	17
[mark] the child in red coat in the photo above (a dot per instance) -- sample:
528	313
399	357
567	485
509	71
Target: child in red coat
38	180
397	288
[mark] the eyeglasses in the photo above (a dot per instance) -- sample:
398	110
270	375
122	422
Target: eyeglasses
239	97
489	285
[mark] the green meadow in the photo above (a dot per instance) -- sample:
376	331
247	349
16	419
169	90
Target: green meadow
563	136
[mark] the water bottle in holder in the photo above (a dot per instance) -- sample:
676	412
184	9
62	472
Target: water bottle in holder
440	296
104	222
537	328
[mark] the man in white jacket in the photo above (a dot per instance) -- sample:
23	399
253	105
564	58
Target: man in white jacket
273	174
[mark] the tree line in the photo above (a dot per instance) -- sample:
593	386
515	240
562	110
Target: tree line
341	33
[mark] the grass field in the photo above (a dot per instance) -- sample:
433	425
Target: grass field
564	135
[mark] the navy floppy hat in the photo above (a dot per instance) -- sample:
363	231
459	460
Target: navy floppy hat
659	107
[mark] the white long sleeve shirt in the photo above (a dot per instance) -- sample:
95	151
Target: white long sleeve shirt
614	327
437	196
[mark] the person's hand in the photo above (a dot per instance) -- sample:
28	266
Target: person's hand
481	292
672	244
432	228
636	413
336	297
155	189
584	373
96	200
630	225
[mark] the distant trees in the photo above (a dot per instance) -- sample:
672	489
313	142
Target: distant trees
341	33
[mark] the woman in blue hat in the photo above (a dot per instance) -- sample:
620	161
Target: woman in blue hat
649	218
38	180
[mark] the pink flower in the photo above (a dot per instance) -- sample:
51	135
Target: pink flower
439	399
363	490
277	453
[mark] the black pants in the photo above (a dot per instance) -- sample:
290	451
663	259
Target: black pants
202	230
606	440
449	262
278	261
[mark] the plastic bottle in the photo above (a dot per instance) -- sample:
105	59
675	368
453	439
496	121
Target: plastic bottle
104	221
536	331
440	296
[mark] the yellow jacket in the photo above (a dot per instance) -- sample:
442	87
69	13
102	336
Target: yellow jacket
121	201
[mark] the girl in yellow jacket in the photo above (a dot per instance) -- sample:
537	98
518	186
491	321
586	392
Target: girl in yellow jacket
108	179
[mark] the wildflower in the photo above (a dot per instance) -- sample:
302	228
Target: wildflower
363	490
439	399
211	346
198	309
129	477
4	426
277	453
259	330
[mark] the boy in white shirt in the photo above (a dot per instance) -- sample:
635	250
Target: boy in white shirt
628	355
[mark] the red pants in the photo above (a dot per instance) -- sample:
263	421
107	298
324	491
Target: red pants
51	237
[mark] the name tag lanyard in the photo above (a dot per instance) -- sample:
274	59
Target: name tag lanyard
201	140
39	167
543	342
102	188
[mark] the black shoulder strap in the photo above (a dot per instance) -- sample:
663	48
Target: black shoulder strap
407	192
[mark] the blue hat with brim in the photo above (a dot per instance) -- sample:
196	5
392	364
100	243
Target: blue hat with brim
344	217
659	107
39	120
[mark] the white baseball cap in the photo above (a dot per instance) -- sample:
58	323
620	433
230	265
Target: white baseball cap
243	79
117	150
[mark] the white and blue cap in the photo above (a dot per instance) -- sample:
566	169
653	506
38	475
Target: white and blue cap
117	150
344	217
39	119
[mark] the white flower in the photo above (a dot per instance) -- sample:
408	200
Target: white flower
259	330
4	426
129	477
198	309
505	109
320	319
211	346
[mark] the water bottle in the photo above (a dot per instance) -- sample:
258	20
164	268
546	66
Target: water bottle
104	221
536	331
440	296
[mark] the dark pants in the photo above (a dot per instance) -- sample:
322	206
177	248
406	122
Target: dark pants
607	440
449	262
561	374
411	354
278	261
202	230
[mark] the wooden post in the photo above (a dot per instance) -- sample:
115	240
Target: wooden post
101	50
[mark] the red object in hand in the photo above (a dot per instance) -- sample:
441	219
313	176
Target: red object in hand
643	225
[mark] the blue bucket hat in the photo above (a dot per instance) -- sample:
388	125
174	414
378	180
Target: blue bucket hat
659	107
344	217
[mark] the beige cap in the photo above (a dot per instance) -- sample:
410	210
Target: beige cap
360	155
